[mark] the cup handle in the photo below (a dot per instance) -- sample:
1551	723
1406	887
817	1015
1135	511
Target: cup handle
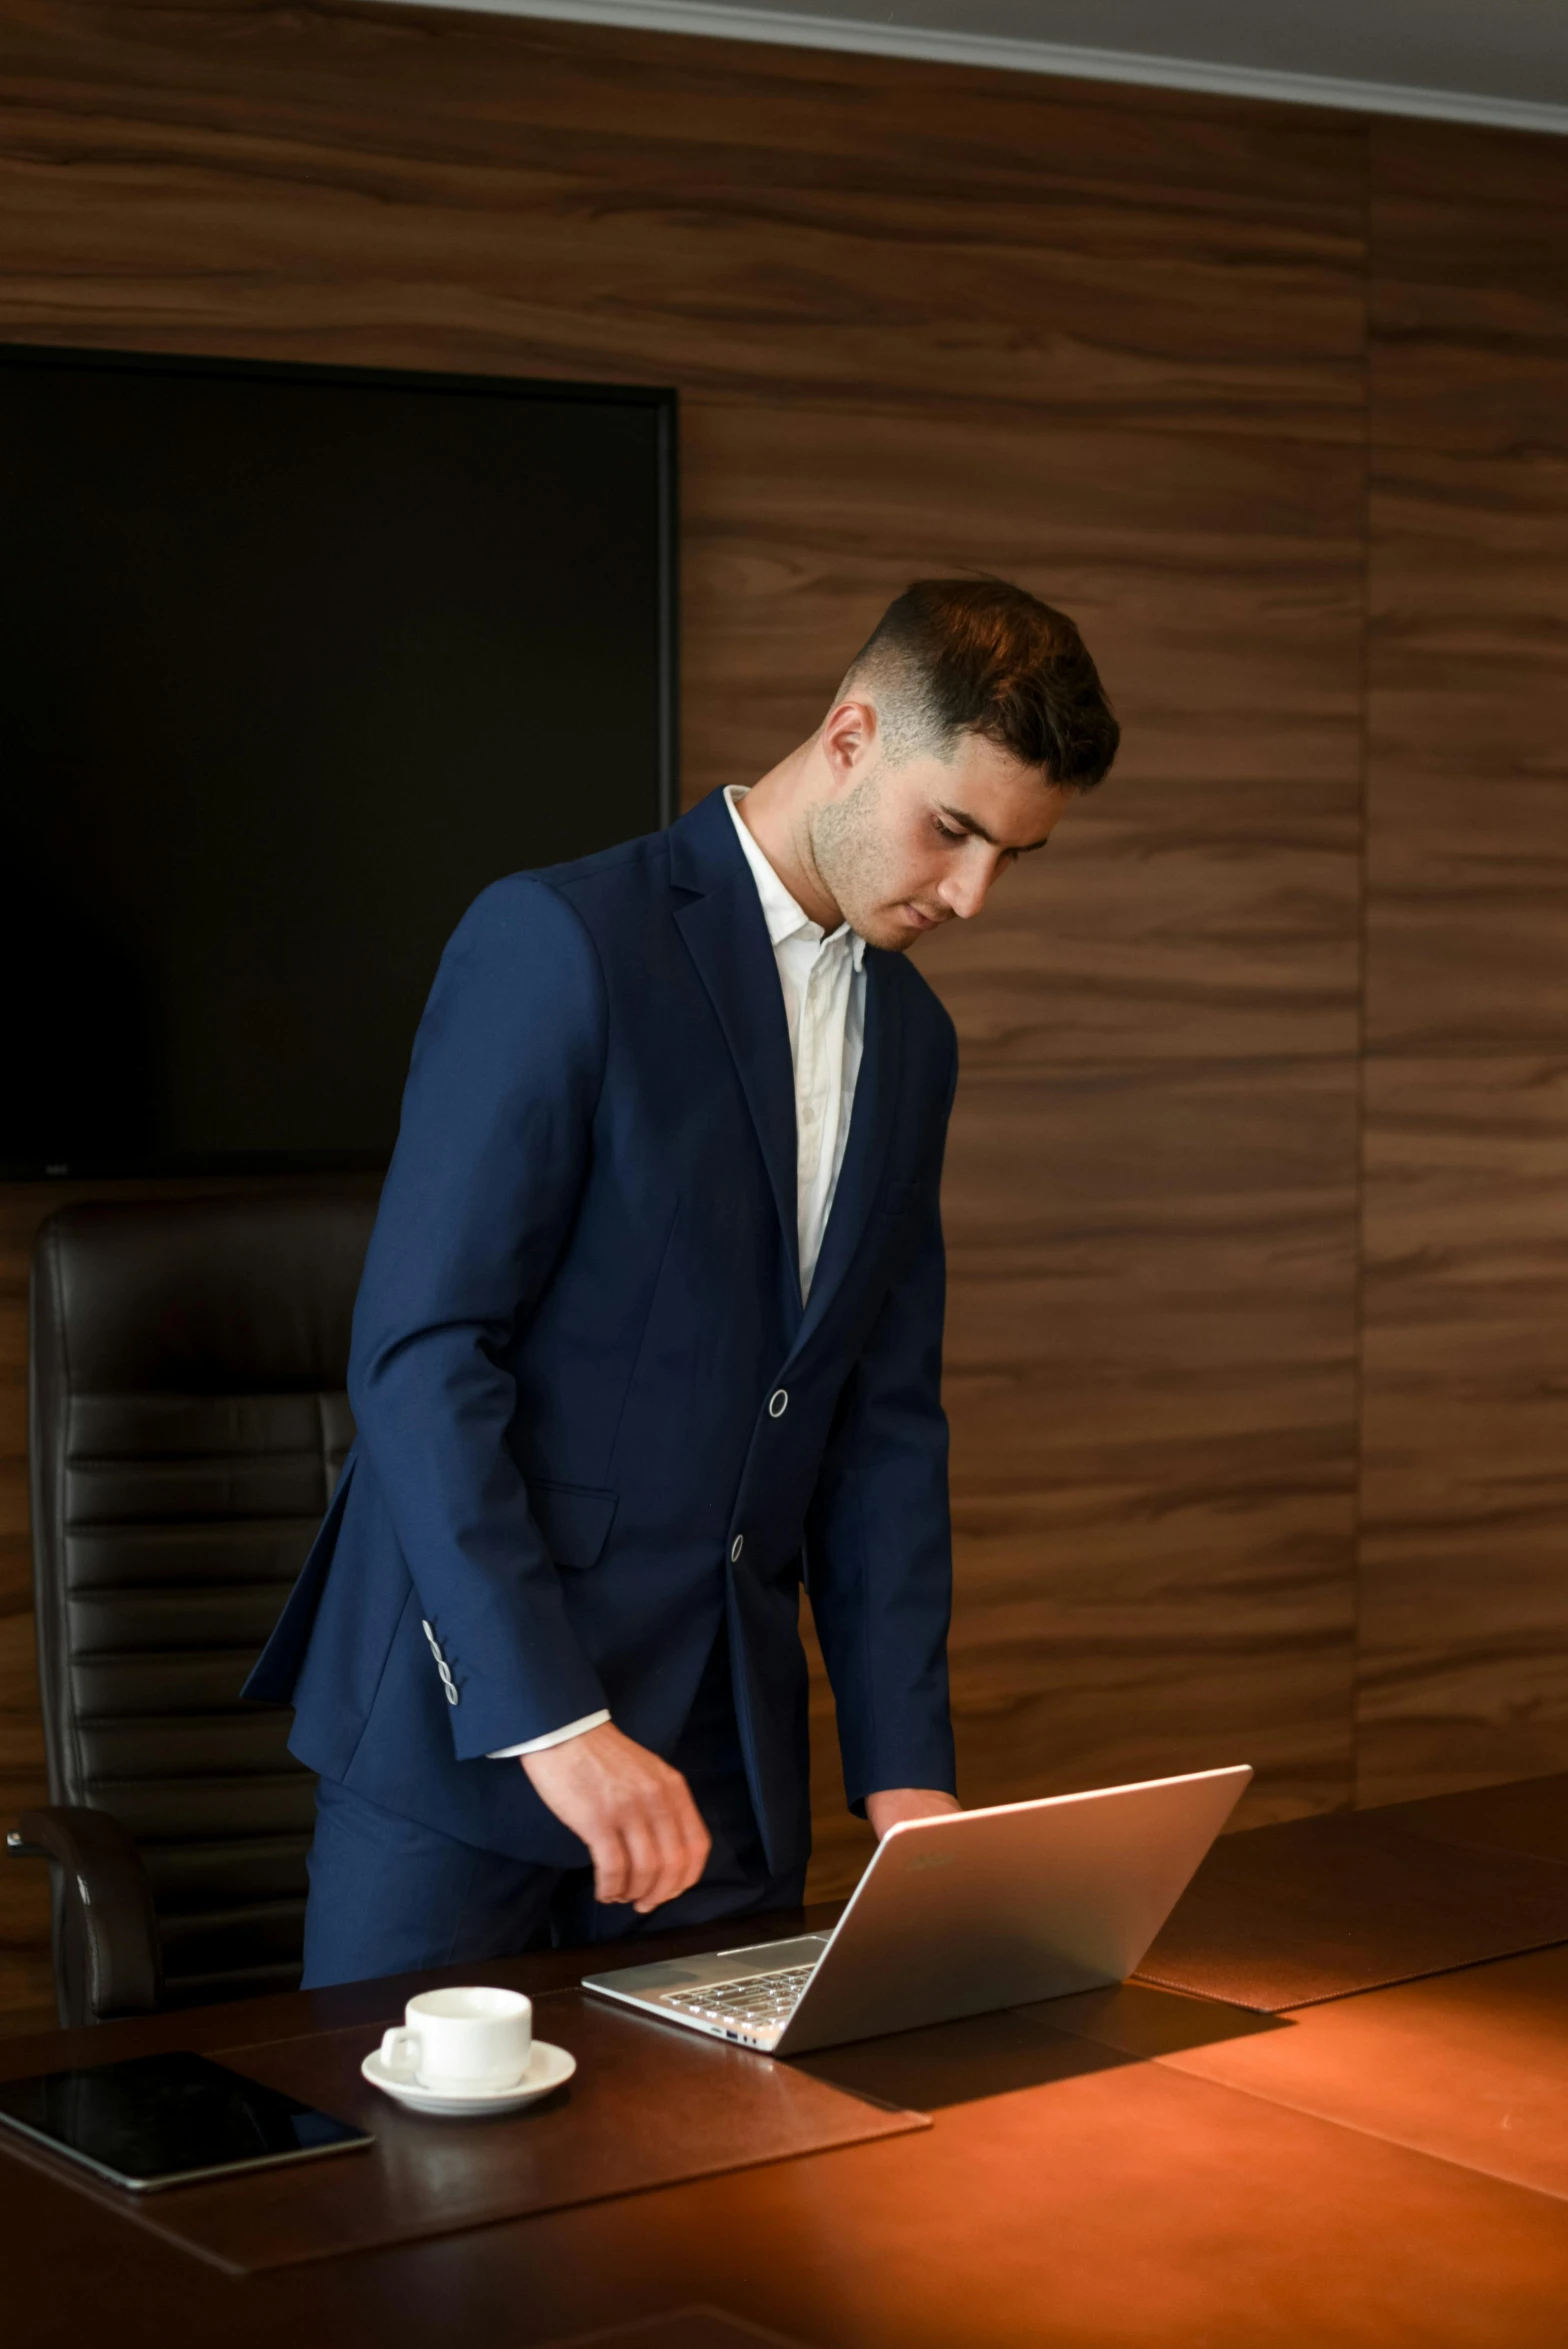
400	2049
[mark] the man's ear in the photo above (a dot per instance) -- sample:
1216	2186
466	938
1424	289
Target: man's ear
849	738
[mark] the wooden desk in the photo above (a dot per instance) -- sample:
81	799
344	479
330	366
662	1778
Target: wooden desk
1131	2168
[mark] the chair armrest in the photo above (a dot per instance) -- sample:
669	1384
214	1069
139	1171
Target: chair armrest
108	1957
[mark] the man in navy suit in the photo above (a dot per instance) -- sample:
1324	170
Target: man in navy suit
650	1332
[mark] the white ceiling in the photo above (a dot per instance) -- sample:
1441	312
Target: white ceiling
1500	61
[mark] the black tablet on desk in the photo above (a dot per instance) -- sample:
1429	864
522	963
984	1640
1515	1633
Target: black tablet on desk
167	2120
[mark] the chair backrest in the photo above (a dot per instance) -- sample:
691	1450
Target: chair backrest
189	1418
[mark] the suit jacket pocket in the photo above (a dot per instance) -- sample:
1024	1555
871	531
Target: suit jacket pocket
574	1519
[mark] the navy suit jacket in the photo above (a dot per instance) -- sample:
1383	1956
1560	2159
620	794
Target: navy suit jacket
593	1418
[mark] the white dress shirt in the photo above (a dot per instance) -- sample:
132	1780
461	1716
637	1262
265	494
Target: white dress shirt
822	974
823	977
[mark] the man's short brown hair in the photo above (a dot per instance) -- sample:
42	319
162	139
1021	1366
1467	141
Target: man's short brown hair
980	656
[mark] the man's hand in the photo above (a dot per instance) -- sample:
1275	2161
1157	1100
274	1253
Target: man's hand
633	1811
895	1804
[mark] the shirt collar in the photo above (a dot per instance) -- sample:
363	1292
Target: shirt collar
783	916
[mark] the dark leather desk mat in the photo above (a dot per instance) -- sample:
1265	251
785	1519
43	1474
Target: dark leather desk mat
1528	1815
1281	1917
679	2328
1118	2205
650	2105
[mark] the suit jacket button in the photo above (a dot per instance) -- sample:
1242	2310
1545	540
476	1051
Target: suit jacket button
736	1546
778	1404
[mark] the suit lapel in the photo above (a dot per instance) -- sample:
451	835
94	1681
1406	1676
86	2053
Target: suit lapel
870	1130
728	941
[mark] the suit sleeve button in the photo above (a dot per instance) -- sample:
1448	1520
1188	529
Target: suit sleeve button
778	1404
736	1546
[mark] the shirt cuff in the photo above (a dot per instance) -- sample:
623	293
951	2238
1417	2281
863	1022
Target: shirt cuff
537	1745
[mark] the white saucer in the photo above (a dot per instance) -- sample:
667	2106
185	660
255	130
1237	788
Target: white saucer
549	2067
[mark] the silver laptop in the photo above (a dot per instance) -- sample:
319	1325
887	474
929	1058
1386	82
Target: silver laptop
958	1916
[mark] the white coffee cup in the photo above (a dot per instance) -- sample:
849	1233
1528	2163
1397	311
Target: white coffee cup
462	2040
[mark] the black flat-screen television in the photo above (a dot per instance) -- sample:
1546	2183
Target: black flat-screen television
293	662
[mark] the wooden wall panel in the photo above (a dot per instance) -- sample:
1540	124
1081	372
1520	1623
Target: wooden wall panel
1464	1658
1467	831
1151	1203
1207	902
406	186
1114	341
1110	341
1150	1379
1464	1536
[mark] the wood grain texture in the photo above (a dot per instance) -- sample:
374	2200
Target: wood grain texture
1471	2067
1207	903
1149	1374
1469	307
1150	1366
1468	2066
1150	1379
1467	814
1115	342
1110	341
1463	1670
1464	1660
1083	2183
722	216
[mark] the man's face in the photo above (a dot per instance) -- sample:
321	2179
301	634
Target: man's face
904	848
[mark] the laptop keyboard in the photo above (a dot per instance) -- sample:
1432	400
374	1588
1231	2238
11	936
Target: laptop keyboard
761	2001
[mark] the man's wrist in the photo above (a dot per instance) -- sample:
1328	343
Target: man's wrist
539	1745
896	1806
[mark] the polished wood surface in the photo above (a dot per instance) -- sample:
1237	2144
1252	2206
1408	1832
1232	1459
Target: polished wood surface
1126	2168
1324	1908
681	2328
1117	2205
1471	2067
1117	343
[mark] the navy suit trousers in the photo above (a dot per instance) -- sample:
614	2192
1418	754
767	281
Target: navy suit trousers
388	1896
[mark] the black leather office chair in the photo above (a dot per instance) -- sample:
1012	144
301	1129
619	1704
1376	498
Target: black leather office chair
189	1419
